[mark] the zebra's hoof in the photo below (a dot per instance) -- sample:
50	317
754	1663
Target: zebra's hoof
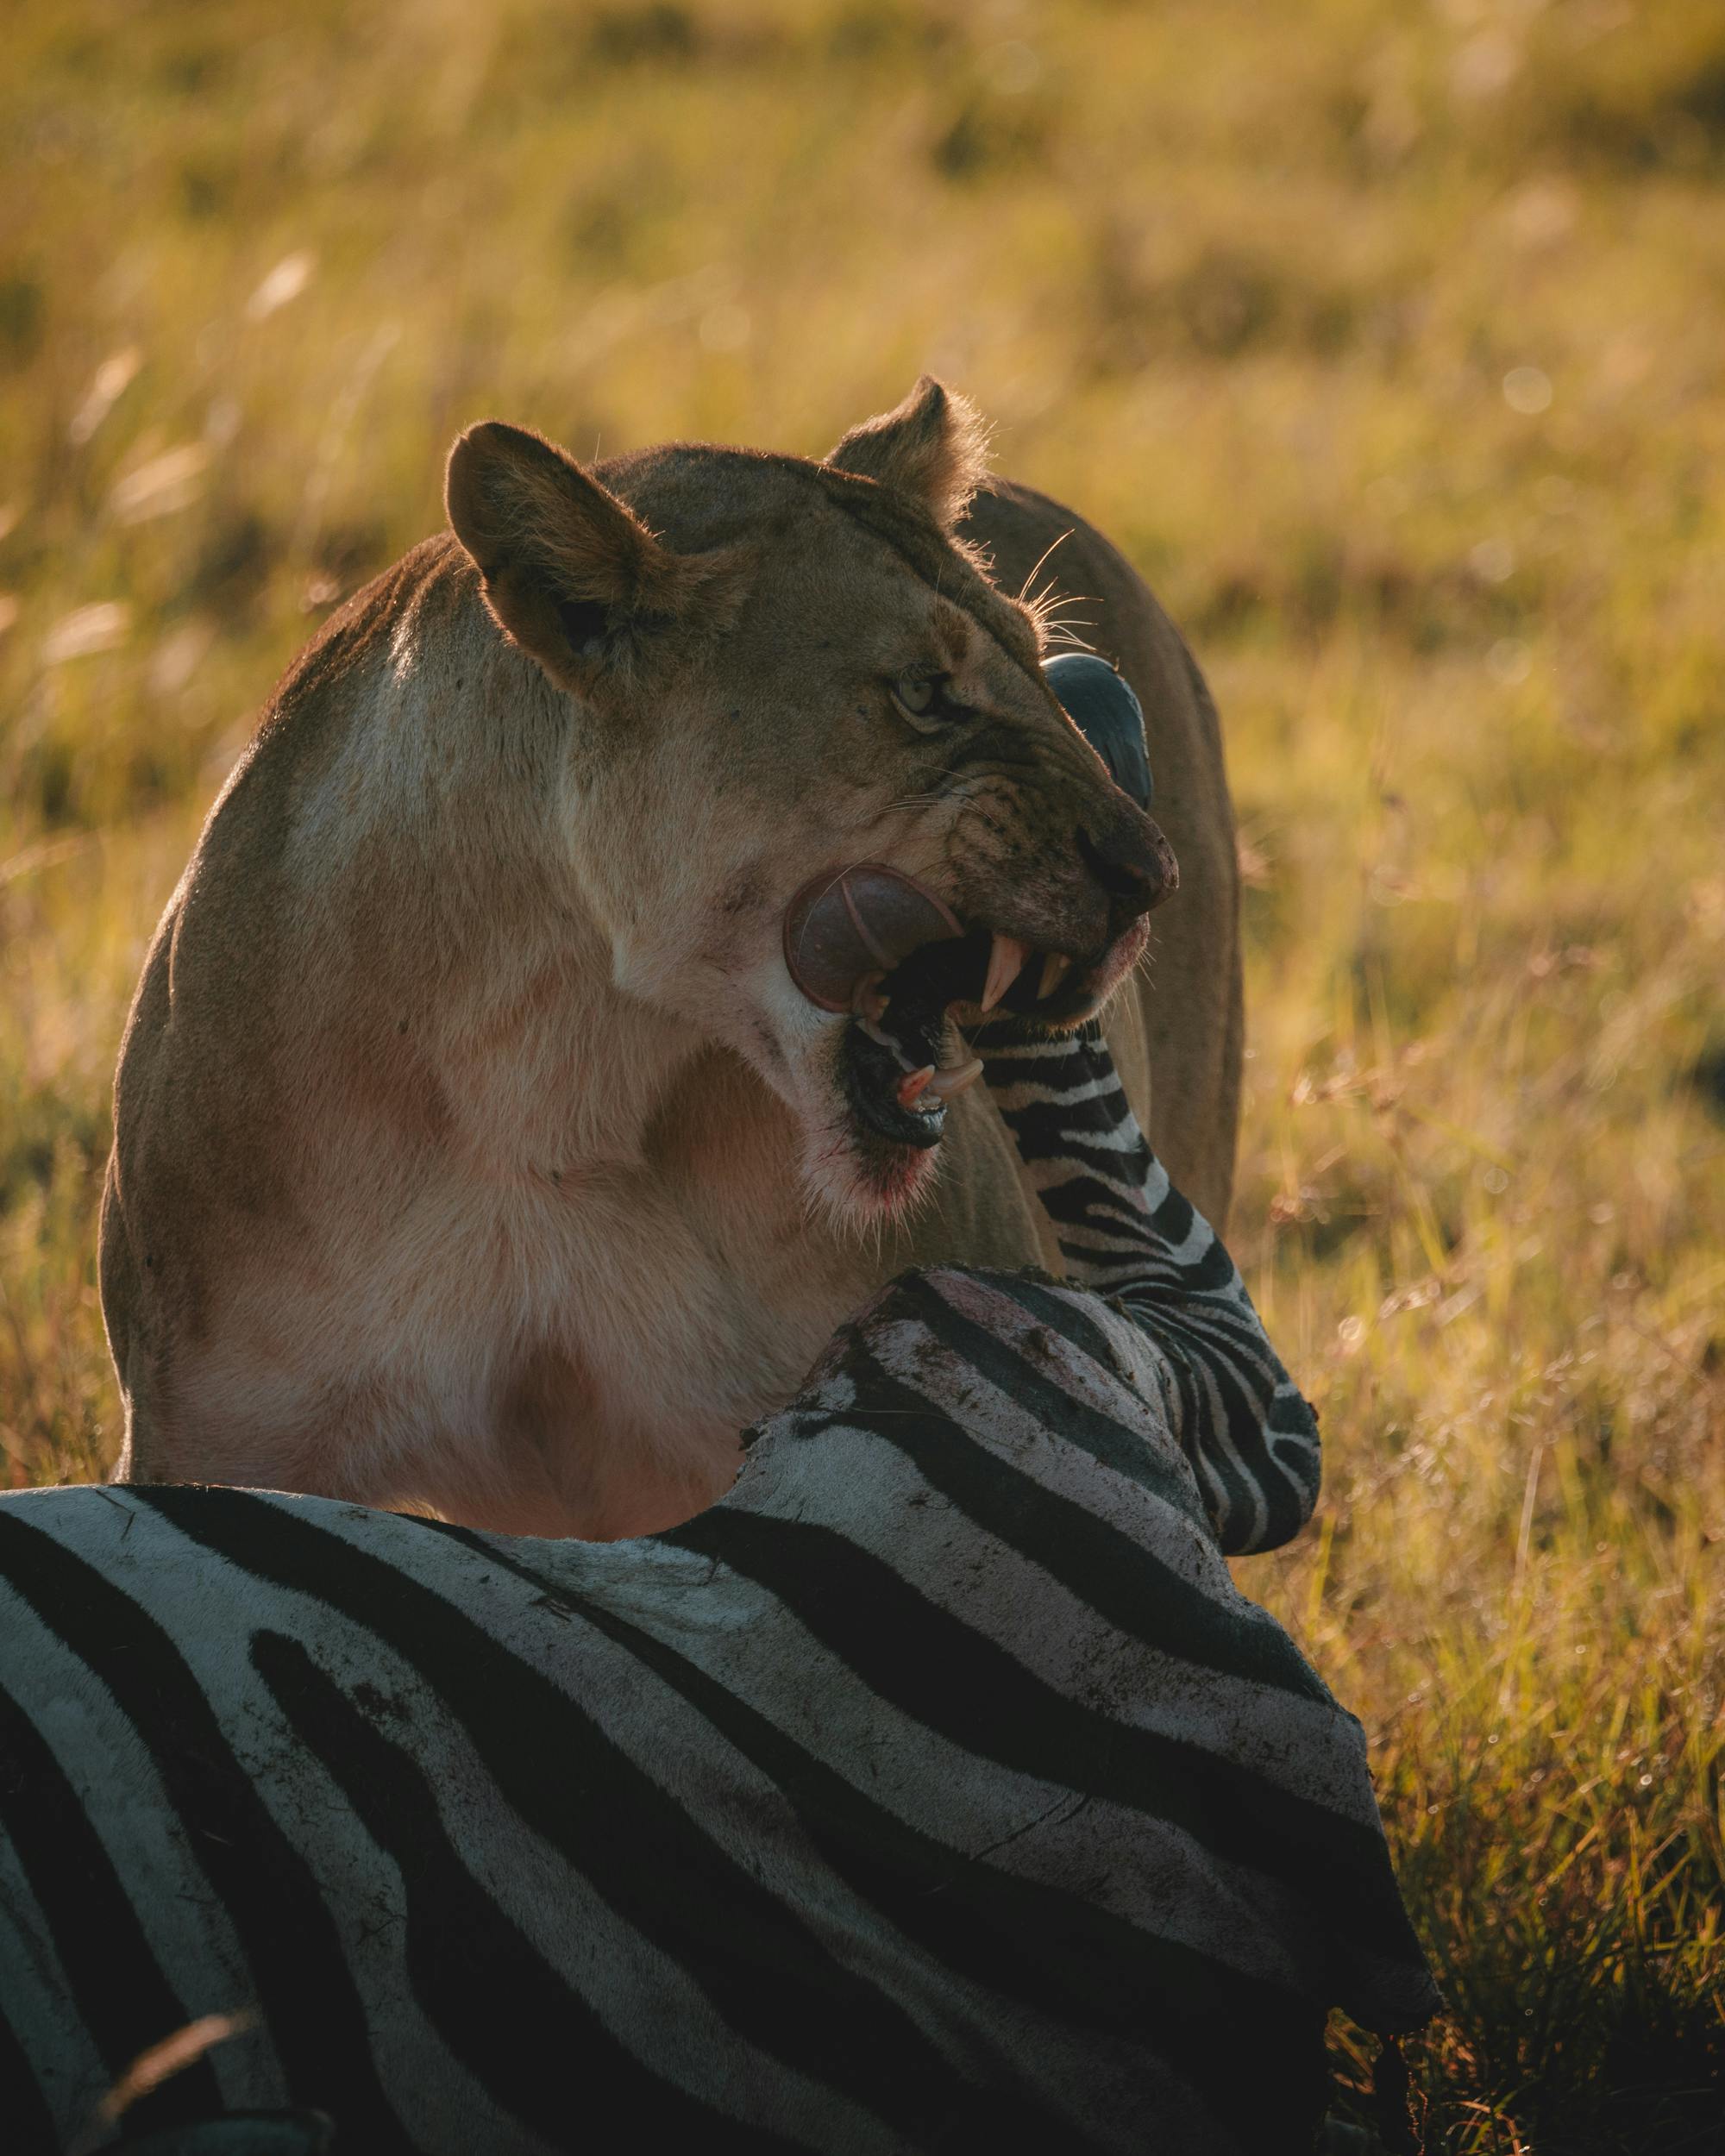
1101	705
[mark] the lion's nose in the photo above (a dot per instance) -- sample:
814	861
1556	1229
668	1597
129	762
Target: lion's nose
1132	862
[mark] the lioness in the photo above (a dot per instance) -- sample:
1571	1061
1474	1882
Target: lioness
484	1141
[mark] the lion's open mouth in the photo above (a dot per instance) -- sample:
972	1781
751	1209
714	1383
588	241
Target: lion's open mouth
900	1059
875	943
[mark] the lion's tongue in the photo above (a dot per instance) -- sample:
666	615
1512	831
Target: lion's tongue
866	919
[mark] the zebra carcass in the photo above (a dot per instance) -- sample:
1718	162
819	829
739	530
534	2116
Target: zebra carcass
938	1784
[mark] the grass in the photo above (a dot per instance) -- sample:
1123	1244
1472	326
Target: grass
1386	340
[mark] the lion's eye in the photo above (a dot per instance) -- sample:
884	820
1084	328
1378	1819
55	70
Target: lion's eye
922	696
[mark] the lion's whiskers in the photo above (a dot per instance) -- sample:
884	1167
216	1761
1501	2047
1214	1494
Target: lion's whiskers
1048	608
1024	599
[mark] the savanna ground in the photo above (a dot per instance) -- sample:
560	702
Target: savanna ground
1387	340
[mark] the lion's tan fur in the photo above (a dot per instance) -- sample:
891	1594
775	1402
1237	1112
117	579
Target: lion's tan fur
473	1150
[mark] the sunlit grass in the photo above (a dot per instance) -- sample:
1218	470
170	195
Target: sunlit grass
1386	339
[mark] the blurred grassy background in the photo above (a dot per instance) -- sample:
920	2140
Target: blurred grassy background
1387	340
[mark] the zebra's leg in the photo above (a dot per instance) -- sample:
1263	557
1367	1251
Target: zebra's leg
1127	1234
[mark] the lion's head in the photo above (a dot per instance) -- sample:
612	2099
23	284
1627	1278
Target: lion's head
820	797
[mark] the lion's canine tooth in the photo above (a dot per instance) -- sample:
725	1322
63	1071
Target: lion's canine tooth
950	1083
881	1039
912	1088
1007	956
884	1040
1055	970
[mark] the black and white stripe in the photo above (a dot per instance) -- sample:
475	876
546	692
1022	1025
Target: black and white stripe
1127	1234
935	1785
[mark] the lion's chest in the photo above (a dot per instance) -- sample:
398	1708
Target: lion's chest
610	1341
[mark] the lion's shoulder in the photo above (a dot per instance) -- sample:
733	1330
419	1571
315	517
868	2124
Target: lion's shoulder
427	593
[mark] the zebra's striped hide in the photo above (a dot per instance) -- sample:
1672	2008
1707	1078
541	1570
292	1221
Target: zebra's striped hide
935	1785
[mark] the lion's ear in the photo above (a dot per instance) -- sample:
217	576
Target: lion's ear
570	572
933	446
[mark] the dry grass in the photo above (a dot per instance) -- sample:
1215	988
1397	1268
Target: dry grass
1386	339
